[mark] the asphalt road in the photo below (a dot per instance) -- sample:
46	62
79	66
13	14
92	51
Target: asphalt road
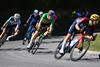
14	54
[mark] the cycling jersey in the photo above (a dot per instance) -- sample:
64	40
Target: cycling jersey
56	18
45	21
11	22
33	20
83	24
32	23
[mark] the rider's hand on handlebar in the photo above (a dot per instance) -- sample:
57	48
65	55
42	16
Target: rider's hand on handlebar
90	38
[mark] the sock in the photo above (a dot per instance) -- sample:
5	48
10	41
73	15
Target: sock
63	45
30	43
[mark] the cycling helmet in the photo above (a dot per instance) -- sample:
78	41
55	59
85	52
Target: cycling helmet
36	11
95	17
81	13
51	13
40	13
17	16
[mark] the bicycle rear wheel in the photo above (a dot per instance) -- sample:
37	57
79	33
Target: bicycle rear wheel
34	48
3	39
76	54
58	55
36	45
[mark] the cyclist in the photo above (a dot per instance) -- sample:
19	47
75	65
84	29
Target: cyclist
40	13
11	25
32	21
81	24
45	25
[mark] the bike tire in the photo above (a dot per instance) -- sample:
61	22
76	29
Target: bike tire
3	40
75	53
23	42
99	56
58	55
36	46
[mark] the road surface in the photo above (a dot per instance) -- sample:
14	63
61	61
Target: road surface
14	54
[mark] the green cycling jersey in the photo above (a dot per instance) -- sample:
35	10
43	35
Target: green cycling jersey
44	19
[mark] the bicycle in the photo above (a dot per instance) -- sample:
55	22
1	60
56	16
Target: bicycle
28	35
75	53
25	39
36	44
99	56
6	34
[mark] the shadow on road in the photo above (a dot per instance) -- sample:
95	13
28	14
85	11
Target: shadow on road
85	60
91	59
18	49
44	52
13	49
51	42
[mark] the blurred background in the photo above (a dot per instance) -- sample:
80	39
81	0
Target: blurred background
63	9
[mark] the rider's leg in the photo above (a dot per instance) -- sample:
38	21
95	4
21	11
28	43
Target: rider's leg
27	33
2	34
64	42
13	35
32	39
80	41
31	32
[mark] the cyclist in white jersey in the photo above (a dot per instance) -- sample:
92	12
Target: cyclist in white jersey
11	25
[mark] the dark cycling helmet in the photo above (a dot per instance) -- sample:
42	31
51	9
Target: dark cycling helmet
51	13
82	13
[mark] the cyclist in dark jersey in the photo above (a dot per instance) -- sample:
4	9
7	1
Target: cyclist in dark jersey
31	22
81	24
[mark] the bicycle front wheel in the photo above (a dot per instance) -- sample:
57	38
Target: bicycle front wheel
76	53
34	48
58	55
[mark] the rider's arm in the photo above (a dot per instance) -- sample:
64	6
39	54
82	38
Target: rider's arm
18	25
27	22
51	26
7	22
77	25
4	25
39	24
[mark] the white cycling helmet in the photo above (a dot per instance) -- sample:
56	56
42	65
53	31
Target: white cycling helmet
36	11
40	13
17	16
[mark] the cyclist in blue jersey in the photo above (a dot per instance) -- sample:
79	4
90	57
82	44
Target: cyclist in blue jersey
31	22
11	25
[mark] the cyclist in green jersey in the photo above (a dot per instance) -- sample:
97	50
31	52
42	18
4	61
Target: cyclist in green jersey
44	26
